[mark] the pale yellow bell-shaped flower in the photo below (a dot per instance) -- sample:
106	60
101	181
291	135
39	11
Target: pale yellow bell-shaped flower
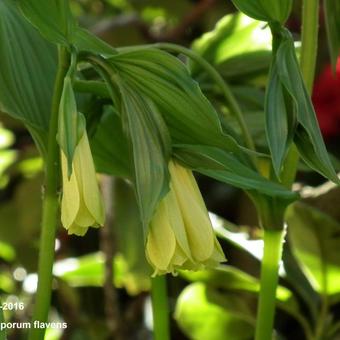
180	234
82	204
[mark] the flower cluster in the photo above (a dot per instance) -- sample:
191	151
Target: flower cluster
180	234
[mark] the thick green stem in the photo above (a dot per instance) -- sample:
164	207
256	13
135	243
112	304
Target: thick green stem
233	105
92	86
160	308
50	208
273	243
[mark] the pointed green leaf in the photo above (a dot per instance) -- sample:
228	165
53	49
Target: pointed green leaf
28	67
279	133
308	139
223	166
150	145
52	18
332	17
166	81
71	125
280	119
85	41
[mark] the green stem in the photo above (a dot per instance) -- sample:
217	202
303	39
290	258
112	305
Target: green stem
309	45
50	208
273	243
92	86
160	308
309	41
233	105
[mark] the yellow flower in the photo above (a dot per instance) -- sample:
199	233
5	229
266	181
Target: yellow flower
82	205
180	234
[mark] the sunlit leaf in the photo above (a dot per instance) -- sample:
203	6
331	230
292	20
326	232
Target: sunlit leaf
89	271
205	313
237	45
6	138
314	237
232	279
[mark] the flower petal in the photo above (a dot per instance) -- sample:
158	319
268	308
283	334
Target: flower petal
86	176
161	241
70	200
176	222
195	215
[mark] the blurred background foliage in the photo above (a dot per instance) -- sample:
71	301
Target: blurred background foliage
207	304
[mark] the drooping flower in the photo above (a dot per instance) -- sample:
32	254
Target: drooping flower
180	234
82	205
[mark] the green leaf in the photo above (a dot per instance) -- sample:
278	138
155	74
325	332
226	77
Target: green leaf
223	166
308	137
28	67
205	313
234	46
150	145
253	9
110	147
265	10
233	279
332	18
85	41
314	237
89	271
294	275
279	133
52	18
71	125
190	117
278	10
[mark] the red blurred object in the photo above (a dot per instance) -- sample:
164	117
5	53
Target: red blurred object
326	99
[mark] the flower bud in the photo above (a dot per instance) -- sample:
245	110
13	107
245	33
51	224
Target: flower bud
82	205
180	234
